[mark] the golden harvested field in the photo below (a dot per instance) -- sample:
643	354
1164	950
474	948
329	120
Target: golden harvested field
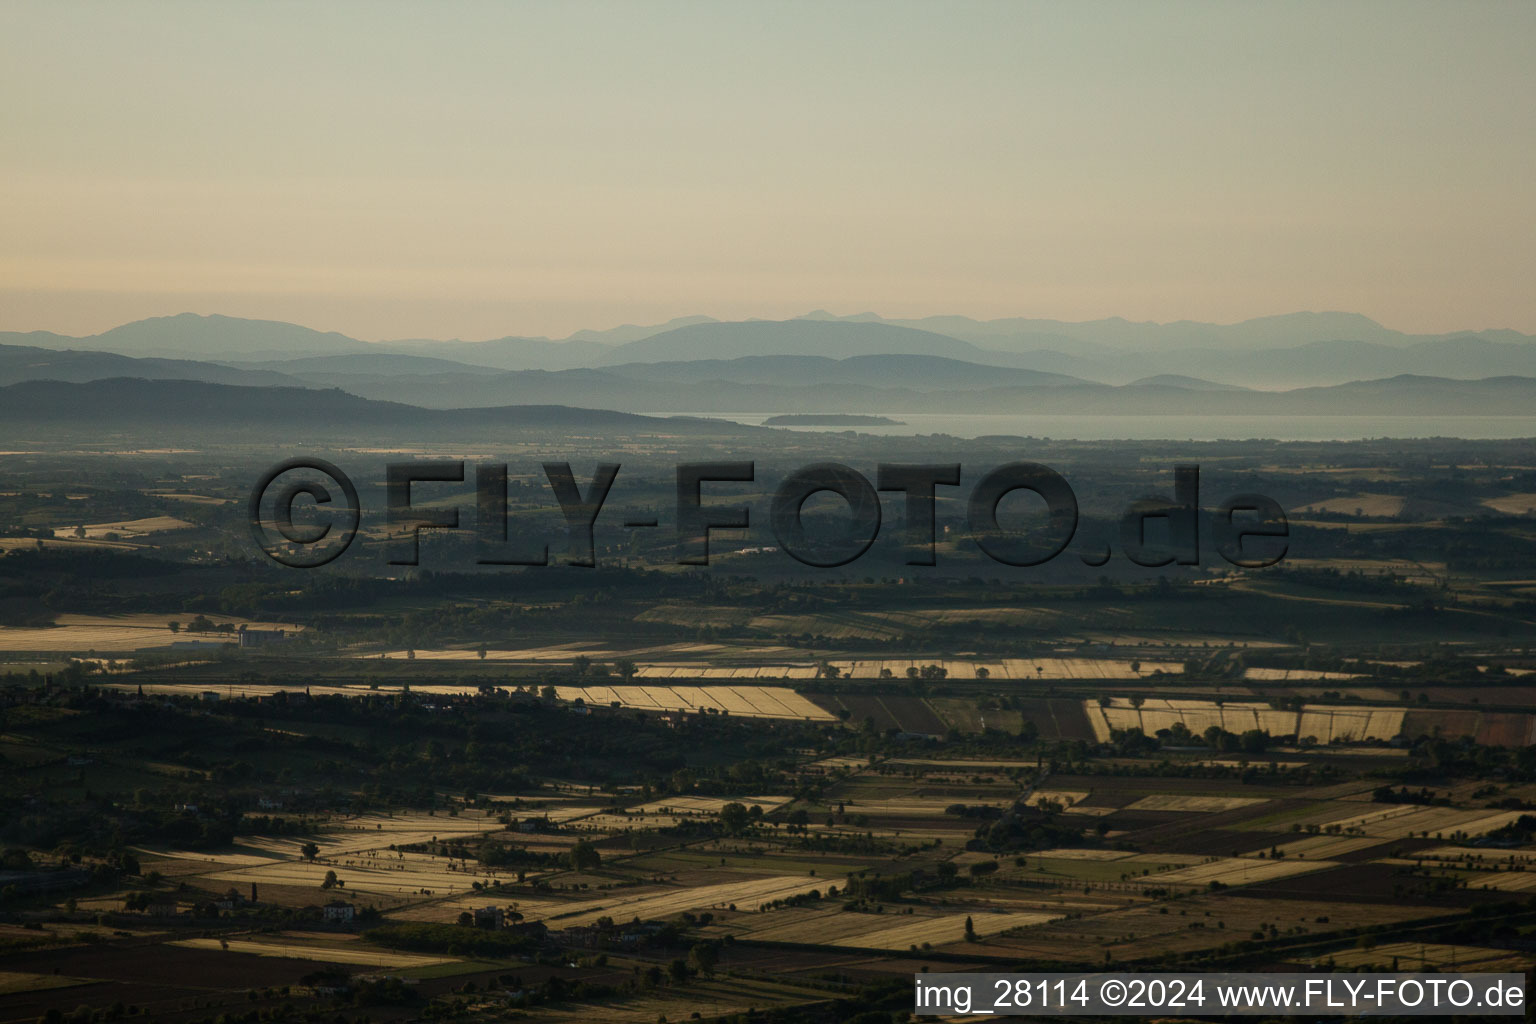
1198	804
322	954
82	633
823	926
1402	821
1513	504
744	701
1326	847
1358	504
708	804
942	930
651	902
1434	956
355	848
1350	723
391	875
1325	724
1483	856
694	671
1012	668
60	544
1236	871
1196	715
1280	675
128	527
841	762
1507	881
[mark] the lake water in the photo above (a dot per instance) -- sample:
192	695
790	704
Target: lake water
1179	428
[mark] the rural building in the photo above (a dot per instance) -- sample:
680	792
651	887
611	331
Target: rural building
339	911
261	637
490	918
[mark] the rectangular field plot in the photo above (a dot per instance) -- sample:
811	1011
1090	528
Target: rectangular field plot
1011	668
1282	675
1326	847
1504	881
1323	724
942	930
1195	715
1343	724
384	873
127	527
747	894
708	804
1197	804
1236	871
1403	821
820	926
743	701
15	982
1411	956
319	953
117	633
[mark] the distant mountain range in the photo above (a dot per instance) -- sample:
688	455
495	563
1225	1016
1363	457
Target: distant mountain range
187	409
1294	350
817	364
163	407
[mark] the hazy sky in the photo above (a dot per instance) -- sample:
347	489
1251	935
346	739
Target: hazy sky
477	170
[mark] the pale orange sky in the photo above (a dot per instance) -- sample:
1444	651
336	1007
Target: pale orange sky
477	170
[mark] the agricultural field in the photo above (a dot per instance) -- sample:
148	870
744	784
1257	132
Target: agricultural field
1432	956
1013	668
743	701
1374	505
1322	724
351	953
119	633
1513	504
655	902
129	528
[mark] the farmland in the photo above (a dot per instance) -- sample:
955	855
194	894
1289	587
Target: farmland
645	790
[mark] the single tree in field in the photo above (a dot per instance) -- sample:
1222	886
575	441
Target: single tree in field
970	929
330	880
626	669
310	851
734	817
584	856
703	957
